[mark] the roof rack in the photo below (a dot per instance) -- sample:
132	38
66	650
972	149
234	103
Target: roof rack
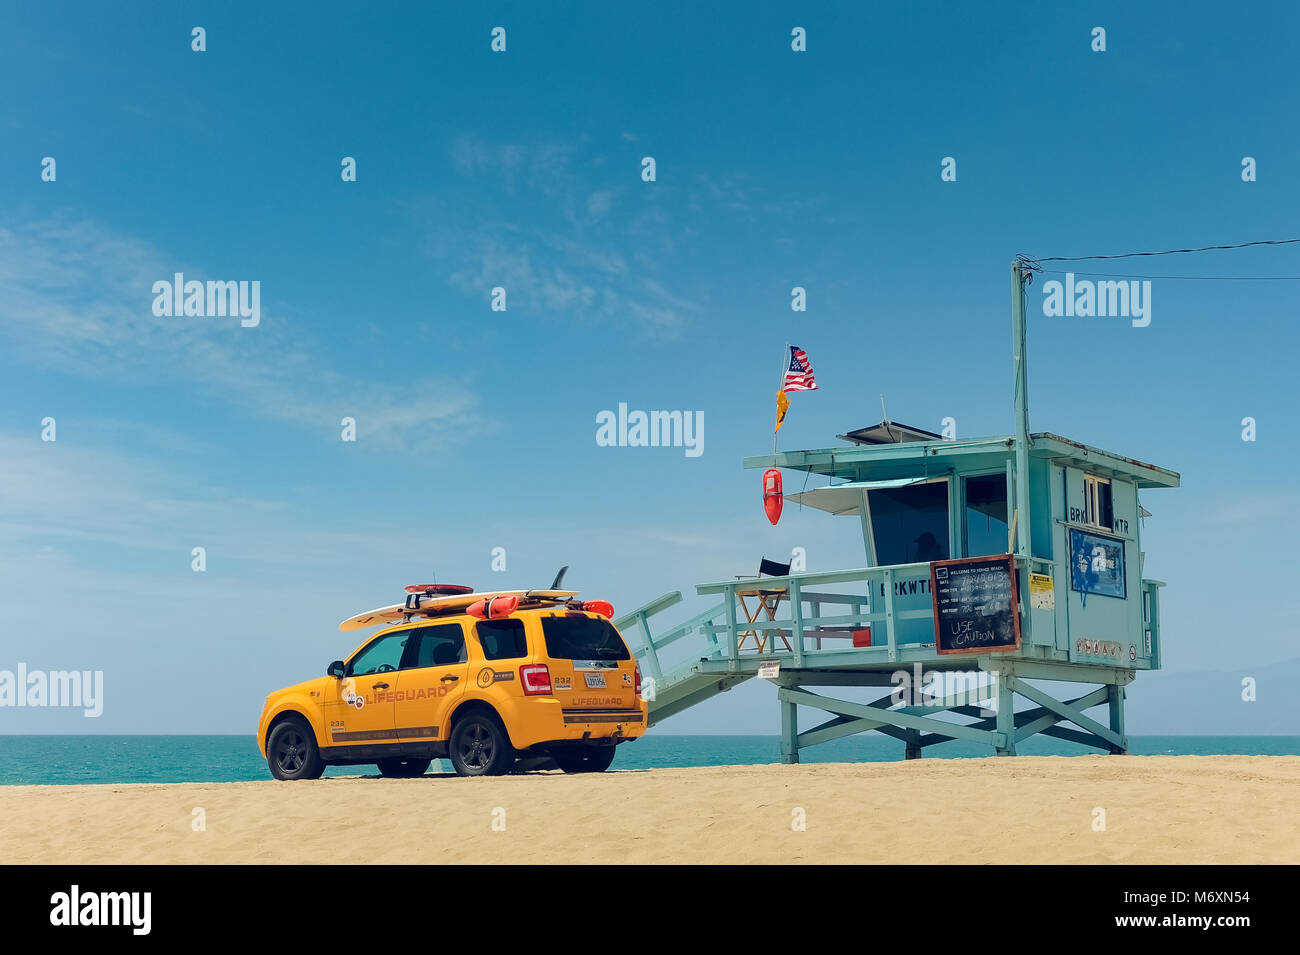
527	599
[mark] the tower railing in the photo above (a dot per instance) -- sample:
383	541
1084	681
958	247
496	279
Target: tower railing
812	622
816	616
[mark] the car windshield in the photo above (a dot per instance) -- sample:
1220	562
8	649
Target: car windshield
579	637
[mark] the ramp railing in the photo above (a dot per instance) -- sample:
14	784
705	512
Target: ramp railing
648	652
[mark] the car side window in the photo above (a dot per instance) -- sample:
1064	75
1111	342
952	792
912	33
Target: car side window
440	646
502	639
381	655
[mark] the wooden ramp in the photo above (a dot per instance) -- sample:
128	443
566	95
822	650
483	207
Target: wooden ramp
671	690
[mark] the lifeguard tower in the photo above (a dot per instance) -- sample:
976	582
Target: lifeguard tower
992	566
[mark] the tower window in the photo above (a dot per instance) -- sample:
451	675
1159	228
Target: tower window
1097	502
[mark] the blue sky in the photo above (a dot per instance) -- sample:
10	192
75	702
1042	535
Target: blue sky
522	169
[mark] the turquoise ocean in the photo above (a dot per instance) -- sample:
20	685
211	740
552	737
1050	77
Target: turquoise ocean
31	760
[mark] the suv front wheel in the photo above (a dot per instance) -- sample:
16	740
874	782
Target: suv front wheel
479	746
291	752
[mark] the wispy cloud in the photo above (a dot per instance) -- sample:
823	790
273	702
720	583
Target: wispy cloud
63	496
77	296
1250	508
574	243
598	203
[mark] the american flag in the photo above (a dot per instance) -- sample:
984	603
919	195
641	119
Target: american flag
799	373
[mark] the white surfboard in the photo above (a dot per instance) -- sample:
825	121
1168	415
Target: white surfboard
372	618
398	612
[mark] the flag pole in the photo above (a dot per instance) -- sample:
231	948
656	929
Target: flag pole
780	385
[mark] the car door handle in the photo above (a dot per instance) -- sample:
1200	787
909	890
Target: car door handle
450	677
380	686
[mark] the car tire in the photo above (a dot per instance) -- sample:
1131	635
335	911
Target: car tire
479	746
403	768
292	753
585	759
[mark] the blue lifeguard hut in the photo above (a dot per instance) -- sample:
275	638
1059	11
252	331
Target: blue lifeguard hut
994	569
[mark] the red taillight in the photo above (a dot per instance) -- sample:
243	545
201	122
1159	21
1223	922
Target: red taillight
637	689
535	679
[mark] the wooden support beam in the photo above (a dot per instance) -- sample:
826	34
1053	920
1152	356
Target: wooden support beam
789	732
1065	710
792	677
873	715
1076	736
1116	701
1043	718
1006	718
913	748
840	726
1062	672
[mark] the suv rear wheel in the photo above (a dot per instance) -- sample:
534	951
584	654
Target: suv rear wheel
291	751
479	746
403	768
585	759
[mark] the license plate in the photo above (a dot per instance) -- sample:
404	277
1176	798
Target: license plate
595	681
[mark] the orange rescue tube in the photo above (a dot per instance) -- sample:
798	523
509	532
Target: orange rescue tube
773	499
494	608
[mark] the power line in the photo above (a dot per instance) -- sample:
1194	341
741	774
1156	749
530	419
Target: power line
1032	261
1187	278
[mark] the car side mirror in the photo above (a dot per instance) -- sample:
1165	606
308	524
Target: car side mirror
336	670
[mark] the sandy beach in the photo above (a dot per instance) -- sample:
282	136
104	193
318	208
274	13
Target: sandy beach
1158	809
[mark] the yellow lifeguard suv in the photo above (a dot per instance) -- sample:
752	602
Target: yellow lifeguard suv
482	679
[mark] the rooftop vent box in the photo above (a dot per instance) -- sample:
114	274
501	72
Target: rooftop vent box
889	432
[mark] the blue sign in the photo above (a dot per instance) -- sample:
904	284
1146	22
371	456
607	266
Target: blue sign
1097	565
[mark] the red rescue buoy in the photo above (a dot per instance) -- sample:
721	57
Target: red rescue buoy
773	500
602	607
493	608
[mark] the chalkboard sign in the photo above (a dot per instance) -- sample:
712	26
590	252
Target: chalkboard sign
976	607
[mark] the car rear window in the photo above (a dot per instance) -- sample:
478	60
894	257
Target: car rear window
502	639
580	637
